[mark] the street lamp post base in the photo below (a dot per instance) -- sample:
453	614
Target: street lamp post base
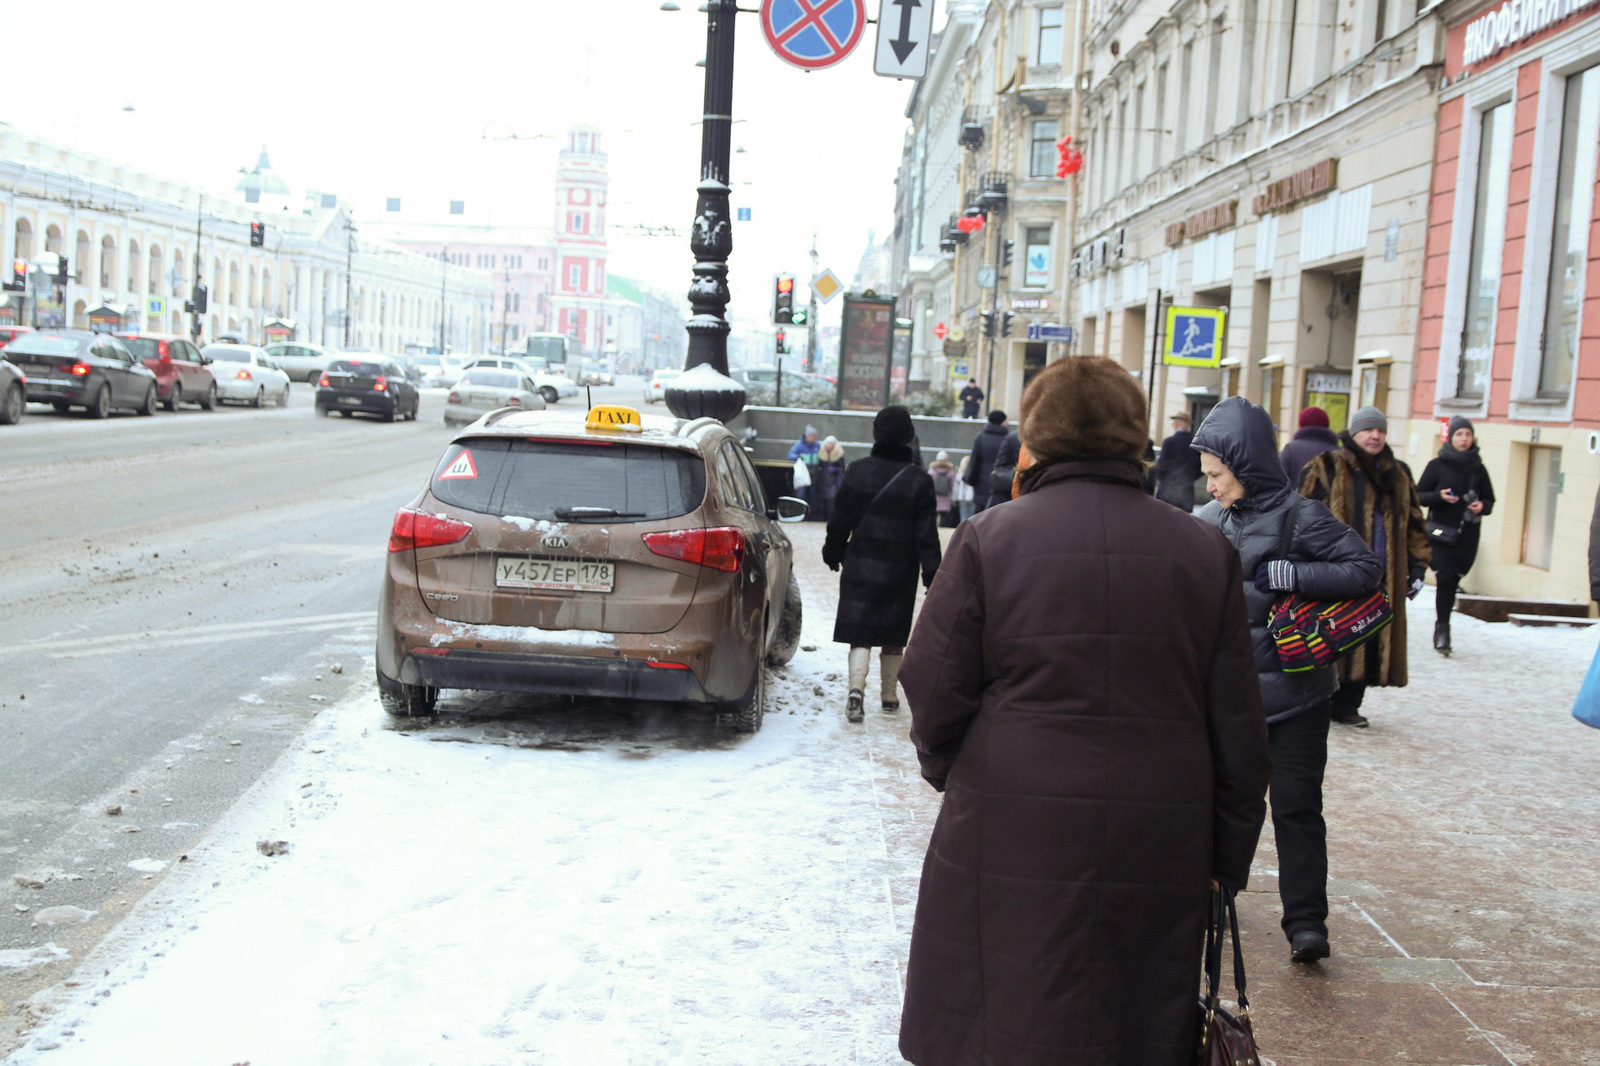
704	392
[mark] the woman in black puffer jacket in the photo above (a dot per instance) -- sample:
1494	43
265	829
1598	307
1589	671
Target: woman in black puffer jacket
1327	560
1455	489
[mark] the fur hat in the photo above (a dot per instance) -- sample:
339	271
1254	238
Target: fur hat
1460	422
1313	416
1083	408
892	425
1369	417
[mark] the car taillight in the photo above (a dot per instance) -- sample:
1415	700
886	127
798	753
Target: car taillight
720	549
514	401
322	382
455	397
380	383
418	529
162	350
243	375
80	369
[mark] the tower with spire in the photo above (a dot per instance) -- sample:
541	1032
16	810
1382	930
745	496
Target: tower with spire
578	295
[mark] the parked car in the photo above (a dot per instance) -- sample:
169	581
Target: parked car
446	374
768	375
182	373
11	333
301	361
369	384
76	368
655	388
13	393
481	390
607	558
552	387
245	374
596	374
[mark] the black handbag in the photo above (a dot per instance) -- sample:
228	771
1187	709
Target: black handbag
1440	533
1226	1038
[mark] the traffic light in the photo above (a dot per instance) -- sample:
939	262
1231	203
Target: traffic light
199	300
798	316
1006	250
18	282
782	299
61	269
987	318
1005	324
258	234
781	350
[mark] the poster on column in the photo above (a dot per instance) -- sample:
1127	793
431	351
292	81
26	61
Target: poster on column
866	337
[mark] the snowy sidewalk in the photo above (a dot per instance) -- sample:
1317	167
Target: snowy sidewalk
599	885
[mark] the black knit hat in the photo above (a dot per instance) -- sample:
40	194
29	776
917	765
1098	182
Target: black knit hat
893	426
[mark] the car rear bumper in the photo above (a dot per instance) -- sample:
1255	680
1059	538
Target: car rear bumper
47	391
372	402
235	389
552	675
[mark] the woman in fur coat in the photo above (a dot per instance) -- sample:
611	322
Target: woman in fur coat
1365	486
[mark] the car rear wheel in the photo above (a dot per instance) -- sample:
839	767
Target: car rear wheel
313	377
261	394
283	397
174	398
209	400
148	408
406	701
549	394
787	640
745	715
11	409
100	406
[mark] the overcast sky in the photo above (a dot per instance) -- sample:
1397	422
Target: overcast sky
370	101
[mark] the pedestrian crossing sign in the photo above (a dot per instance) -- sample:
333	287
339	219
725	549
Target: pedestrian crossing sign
1193	336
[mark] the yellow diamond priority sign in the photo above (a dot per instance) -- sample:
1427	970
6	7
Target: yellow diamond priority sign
826	285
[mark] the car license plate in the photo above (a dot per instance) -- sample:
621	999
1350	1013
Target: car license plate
562	575
350	399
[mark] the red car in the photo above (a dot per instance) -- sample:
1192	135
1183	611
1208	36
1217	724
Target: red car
182	373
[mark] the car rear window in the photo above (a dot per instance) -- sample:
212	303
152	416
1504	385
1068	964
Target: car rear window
143	347
45	346
222	354
357	367
491	379
532	479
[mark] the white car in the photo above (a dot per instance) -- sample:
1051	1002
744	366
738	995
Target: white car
655	389
445	373
245	374
552	387
301	361
482	390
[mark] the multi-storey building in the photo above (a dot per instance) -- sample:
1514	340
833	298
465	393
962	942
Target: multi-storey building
518	260
984	126
136	244
580	239
1510	298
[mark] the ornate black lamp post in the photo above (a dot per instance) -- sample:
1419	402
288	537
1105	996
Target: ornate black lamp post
705	389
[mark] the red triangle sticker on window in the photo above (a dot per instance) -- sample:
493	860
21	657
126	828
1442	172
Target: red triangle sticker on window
460	470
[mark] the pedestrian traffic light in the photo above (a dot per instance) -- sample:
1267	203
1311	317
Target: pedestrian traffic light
780	348
199	300
798	317
1006	251
782	299
987	318
18	281
61	269
1005	324
258	234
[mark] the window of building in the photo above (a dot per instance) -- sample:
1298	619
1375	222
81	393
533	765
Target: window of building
1049	50
1483	264
1569	235
1042	148
544	264
1158	147
574	275
1539	521
1246	66
1036	257
1123	142
1139	132
518	302
1180	123
1214	74
394	203
577	222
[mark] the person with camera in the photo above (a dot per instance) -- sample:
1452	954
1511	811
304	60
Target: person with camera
1456	489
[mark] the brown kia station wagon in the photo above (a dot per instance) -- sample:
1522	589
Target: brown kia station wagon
614	558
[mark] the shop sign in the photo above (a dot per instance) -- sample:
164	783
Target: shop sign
1206	220
1301	185
1512	21
1030	303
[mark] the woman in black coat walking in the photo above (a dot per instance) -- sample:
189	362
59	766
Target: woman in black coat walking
882	529
1456	490
1326	560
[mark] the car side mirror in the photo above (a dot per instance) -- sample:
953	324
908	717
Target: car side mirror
790	509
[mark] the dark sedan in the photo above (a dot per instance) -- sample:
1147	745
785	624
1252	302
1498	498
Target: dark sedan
76	368
375	386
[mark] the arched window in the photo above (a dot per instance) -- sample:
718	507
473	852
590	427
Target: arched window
108	261
269	298
233	284
179	263
82	256
52	240
157	269
80	315
254	293
24	239
135	267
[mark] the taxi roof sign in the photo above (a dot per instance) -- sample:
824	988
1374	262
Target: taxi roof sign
614	416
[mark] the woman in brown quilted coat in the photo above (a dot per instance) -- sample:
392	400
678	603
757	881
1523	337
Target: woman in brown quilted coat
1084	693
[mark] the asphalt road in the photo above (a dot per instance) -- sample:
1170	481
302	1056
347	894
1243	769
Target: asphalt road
180	595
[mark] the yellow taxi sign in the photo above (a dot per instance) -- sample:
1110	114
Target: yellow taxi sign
614	416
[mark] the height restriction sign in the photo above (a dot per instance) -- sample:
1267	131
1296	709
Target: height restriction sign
812	34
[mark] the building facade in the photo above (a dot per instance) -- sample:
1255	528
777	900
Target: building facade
579	294
518	261
138	243
1510	330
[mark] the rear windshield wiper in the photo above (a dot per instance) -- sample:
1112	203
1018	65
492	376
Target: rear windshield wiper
579	514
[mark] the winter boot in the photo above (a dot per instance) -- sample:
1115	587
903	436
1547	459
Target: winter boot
889	669
860	659
1441	638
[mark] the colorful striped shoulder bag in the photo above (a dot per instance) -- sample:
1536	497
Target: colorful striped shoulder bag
1311	634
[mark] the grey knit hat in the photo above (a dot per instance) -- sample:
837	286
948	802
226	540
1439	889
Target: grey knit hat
1460	422
1369	417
